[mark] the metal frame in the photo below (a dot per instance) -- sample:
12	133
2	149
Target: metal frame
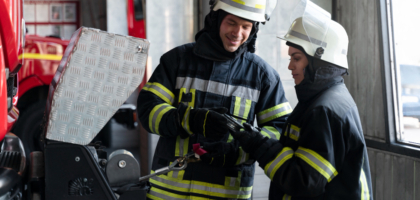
386	35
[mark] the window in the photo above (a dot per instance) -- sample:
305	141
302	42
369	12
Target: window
138	9
51	18
405	30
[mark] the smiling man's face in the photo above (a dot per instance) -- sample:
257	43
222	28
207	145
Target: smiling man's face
234	31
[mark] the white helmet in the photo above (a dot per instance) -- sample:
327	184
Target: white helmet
330	46
254	10
311	28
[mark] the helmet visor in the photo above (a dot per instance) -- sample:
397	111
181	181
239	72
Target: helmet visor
315	21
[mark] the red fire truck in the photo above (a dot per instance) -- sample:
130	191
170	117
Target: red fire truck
12	35
42	56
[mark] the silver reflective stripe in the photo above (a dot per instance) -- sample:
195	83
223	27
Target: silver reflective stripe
364	186
306	38
161	91
232	181
317	162
294	132
181	146
277	160
243	7
274	112
175	174
271	134
201	187
243	157
160	195
186	120
217	88
242	110
287	197
155	116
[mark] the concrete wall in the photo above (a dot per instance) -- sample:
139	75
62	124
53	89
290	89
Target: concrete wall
116	15
394	176
168	24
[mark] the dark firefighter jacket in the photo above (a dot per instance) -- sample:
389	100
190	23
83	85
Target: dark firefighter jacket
321	153
195	75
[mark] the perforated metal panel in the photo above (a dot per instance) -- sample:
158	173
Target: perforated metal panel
98	72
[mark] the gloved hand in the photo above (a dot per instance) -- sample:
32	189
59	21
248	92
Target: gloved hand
220	154
249	139
209	122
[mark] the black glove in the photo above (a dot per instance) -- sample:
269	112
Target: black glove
209	122
220	154
249	139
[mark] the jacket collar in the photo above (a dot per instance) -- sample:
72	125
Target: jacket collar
319	76
209	47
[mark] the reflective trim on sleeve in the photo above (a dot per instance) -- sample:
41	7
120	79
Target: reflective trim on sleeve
160	91
156	193
185	123
243	156
181	146
365	195
274	112
217	88
241	5
156	115
270	132
287	197
317	162
203	188
294	132
271	168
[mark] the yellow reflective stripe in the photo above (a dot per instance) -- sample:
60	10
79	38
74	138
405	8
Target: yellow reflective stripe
239	1
270	132
160	91
181	146
259	6
40	56
271	168
243	156
230	138
156	115
274	112
317	162
204	125
199	187
237	106
156	193
184	91
233	181
294	132
242	108
185	123
248	104
181	92
176	174
365	195
287	197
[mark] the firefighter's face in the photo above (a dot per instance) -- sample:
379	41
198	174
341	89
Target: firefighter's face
298	62
234	31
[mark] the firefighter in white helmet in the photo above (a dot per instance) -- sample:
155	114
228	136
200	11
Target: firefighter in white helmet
321	153
190	90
